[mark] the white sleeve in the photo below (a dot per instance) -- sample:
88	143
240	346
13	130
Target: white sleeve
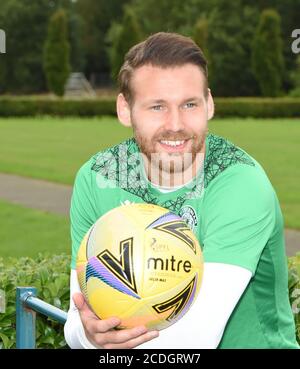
73	329
201	327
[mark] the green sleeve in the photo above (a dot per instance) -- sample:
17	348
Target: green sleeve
82	212
239	216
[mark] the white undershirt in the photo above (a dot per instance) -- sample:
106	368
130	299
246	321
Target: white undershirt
169	189
201	327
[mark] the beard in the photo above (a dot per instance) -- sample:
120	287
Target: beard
166	166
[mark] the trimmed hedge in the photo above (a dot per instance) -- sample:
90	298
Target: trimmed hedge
50	275
22	107
258	107
225	107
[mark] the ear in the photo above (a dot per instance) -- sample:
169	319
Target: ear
123	111
210	105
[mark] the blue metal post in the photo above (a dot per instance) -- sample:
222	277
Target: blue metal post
27	305
25	323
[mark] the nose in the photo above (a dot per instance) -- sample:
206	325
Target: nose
173	120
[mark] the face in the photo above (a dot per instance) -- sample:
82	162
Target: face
169	114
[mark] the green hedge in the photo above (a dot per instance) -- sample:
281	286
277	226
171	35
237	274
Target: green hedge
50	275
22	107
258	107
225	107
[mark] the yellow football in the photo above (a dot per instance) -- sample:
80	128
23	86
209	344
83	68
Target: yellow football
141	263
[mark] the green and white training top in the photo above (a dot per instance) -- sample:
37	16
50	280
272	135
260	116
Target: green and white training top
235	214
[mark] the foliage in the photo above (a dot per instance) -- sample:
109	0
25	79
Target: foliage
230	28
25	24
295	77
123	38
57	53
225	107
97	17
50	275
257	107
267	56
200	36
294	290
77	52
230	31
24	106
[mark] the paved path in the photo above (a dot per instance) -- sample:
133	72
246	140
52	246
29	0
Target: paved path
36	194
55	198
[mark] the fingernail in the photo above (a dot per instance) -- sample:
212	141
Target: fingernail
116	321
141	330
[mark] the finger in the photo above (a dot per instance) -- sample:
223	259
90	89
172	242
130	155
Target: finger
79	300
105	325
125	335
133	342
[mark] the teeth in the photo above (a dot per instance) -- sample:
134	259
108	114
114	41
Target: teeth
172	143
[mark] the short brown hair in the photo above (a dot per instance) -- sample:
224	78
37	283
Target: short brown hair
163	49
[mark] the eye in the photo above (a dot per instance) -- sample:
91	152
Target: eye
156	107
190	105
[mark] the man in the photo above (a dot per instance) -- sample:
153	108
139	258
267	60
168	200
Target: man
220	190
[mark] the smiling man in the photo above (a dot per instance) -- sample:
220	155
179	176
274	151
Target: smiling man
221	191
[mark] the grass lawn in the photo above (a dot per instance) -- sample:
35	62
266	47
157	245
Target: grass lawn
55	148
26	232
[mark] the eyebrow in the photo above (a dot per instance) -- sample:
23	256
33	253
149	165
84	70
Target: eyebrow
161	101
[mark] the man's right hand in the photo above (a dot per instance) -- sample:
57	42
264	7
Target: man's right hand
101	333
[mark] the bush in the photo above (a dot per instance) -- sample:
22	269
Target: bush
286	107
257	107
22	107
294	290
50	275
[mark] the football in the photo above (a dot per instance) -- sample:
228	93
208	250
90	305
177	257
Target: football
141	263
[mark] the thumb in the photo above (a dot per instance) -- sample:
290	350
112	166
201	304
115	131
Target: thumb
82	306
79	300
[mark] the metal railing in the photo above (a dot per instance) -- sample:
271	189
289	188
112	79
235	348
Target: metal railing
27	304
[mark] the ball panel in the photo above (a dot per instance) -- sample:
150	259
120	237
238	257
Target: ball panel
143	314
106	301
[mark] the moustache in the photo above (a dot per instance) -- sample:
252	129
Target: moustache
174	137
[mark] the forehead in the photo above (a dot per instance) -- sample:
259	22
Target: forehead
155	82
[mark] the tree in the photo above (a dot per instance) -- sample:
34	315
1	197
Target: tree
123	37
98	16
228	28
267	55
75	27
25	24
57	53
232	27
170	15
200	36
